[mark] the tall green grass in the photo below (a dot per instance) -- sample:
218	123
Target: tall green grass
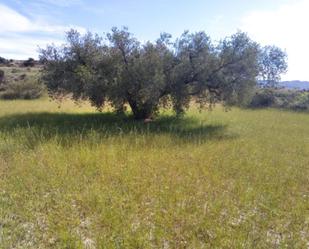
74	178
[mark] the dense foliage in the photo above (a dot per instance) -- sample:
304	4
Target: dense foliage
119	70
29	63
280	98
3	60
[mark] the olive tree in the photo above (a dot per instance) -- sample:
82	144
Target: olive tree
273	63
121	71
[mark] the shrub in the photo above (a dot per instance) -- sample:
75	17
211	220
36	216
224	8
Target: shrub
301	102
29	63
15	70
3	60
263	98
27	89
1	76
281	98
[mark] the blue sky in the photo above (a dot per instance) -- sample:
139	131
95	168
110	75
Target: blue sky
25	25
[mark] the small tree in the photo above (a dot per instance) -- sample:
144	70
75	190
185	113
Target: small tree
29	63
3	60
120	70
273	63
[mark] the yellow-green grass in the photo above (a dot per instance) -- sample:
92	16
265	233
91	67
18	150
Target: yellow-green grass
74	178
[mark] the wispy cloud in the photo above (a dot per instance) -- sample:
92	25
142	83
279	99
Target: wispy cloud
59	3
10	20
20	36
16	46
286	27
62	3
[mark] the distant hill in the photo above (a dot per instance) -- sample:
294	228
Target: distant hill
295	84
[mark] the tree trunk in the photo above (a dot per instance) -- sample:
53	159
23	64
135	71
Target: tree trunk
141	112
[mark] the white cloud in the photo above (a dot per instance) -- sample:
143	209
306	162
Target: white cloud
286	27
62	3
20	36
10	20
23	47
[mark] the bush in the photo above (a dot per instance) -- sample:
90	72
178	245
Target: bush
29	63
301	102
1	76
15	70
3	60
27	89
263	98
281	98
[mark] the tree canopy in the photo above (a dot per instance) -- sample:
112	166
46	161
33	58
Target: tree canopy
118	69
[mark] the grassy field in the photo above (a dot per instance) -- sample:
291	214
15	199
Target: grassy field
74	178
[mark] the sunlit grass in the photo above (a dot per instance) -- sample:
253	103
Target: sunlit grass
74	178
